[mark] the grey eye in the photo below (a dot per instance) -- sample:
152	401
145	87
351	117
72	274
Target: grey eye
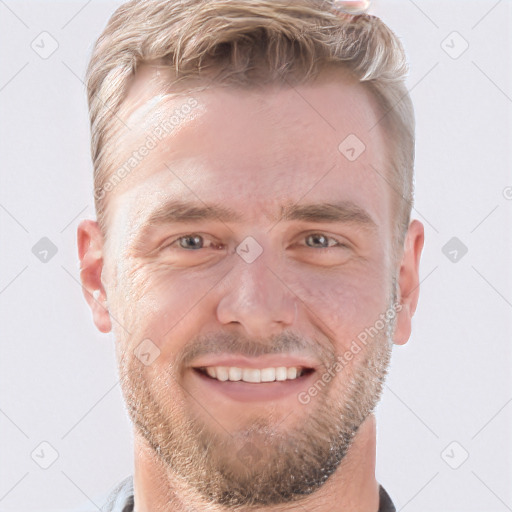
318	238
191	242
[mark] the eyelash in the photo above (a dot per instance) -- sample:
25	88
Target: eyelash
337	246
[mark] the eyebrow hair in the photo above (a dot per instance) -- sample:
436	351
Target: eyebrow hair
178	211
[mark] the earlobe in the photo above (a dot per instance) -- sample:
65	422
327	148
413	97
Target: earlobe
90	253
409	282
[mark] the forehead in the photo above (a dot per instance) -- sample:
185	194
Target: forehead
256	148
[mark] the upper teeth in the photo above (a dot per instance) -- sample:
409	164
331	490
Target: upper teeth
233	373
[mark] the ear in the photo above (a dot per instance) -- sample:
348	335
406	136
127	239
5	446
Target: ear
409	281
90	252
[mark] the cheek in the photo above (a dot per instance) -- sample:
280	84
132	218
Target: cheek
159	304
136	302
343	304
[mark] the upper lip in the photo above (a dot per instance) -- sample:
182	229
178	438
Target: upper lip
266	361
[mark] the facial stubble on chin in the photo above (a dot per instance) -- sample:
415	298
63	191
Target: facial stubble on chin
285	465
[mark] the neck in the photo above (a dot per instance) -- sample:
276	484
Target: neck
352	487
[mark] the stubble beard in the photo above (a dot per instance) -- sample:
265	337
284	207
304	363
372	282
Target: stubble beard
261	464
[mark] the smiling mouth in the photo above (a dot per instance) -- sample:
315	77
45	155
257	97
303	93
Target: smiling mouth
254	375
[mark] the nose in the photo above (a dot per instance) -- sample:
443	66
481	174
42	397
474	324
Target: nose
256	297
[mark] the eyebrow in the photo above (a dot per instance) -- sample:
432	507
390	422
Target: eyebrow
177	211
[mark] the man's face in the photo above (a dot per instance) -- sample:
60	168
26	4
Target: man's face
250	288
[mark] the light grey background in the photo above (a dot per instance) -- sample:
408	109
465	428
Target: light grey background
451	382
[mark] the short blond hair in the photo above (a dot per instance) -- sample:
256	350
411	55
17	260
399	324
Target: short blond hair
248	43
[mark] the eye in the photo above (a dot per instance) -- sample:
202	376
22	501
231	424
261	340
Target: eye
325	242
191	241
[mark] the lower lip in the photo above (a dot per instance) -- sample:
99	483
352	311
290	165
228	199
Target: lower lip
256	391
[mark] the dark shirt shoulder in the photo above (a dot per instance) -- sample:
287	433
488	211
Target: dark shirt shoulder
385	503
